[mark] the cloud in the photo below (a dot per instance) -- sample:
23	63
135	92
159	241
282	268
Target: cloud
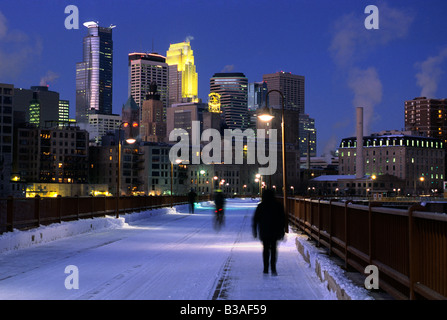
49	77
17	50
367	89
352	44
429	73
351	41
228	68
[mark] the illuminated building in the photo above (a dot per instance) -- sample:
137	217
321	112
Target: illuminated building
402	157
232	88
54	154
308	136
183	78
130	116
95	73
64	109
104	164
214	102
145	68
429	117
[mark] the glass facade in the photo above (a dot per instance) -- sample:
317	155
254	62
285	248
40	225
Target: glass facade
94	75
233	90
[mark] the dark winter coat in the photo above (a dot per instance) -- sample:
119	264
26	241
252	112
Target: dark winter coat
192	197
269	219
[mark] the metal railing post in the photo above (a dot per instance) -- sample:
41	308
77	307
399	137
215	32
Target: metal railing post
37	209
10	214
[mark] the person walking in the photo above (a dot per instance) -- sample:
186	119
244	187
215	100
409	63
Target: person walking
192	195
269	224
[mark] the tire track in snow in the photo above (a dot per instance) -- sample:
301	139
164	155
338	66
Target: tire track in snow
224	281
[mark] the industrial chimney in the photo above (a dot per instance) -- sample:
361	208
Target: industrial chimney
359	163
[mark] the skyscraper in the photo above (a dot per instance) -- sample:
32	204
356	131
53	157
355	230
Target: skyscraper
257	92
292	86
153	125
94	75
232	87
183	78
145	68
308	136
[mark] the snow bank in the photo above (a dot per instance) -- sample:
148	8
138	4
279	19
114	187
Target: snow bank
329	272
20	239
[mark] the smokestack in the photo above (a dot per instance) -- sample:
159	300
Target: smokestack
359	163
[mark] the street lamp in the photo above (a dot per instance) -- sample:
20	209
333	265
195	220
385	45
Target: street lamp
129	140
266	115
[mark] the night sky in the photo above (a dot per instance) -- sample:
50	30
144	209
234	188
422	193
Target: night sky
345	64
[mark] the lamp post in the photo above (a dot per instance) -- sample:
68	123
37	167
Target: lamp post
259	180
265	115
373	177
129	140
212	185
178	161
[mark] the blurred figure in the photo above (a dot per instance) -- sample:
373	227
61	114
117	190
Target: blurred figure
269	223
192	196
219	203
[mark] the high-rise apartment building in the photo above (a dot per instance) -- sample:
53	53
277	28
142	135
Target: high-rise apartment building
427	116
94	74
233	90
144	69
292	87
183	78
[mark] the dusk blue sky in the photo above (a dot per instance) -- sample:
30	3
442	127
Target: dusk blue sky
344	64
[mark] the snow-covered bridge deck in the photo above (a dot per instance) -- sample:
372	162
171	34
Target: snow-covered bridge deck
173	255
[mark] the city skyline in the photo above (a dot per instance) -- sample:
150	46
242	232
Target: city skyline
403	59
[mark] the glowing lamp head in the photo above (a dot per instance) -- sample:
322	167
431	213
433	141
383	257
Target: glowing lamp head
265	114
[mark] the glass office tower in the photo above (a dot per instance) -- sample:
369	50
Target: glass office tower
232	88
94	75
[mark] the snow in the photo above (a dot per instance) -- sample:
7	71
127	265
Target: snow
161	254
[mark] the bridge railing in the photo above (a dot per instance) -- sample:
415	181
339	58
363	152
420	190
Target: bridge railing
26	213
409	247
